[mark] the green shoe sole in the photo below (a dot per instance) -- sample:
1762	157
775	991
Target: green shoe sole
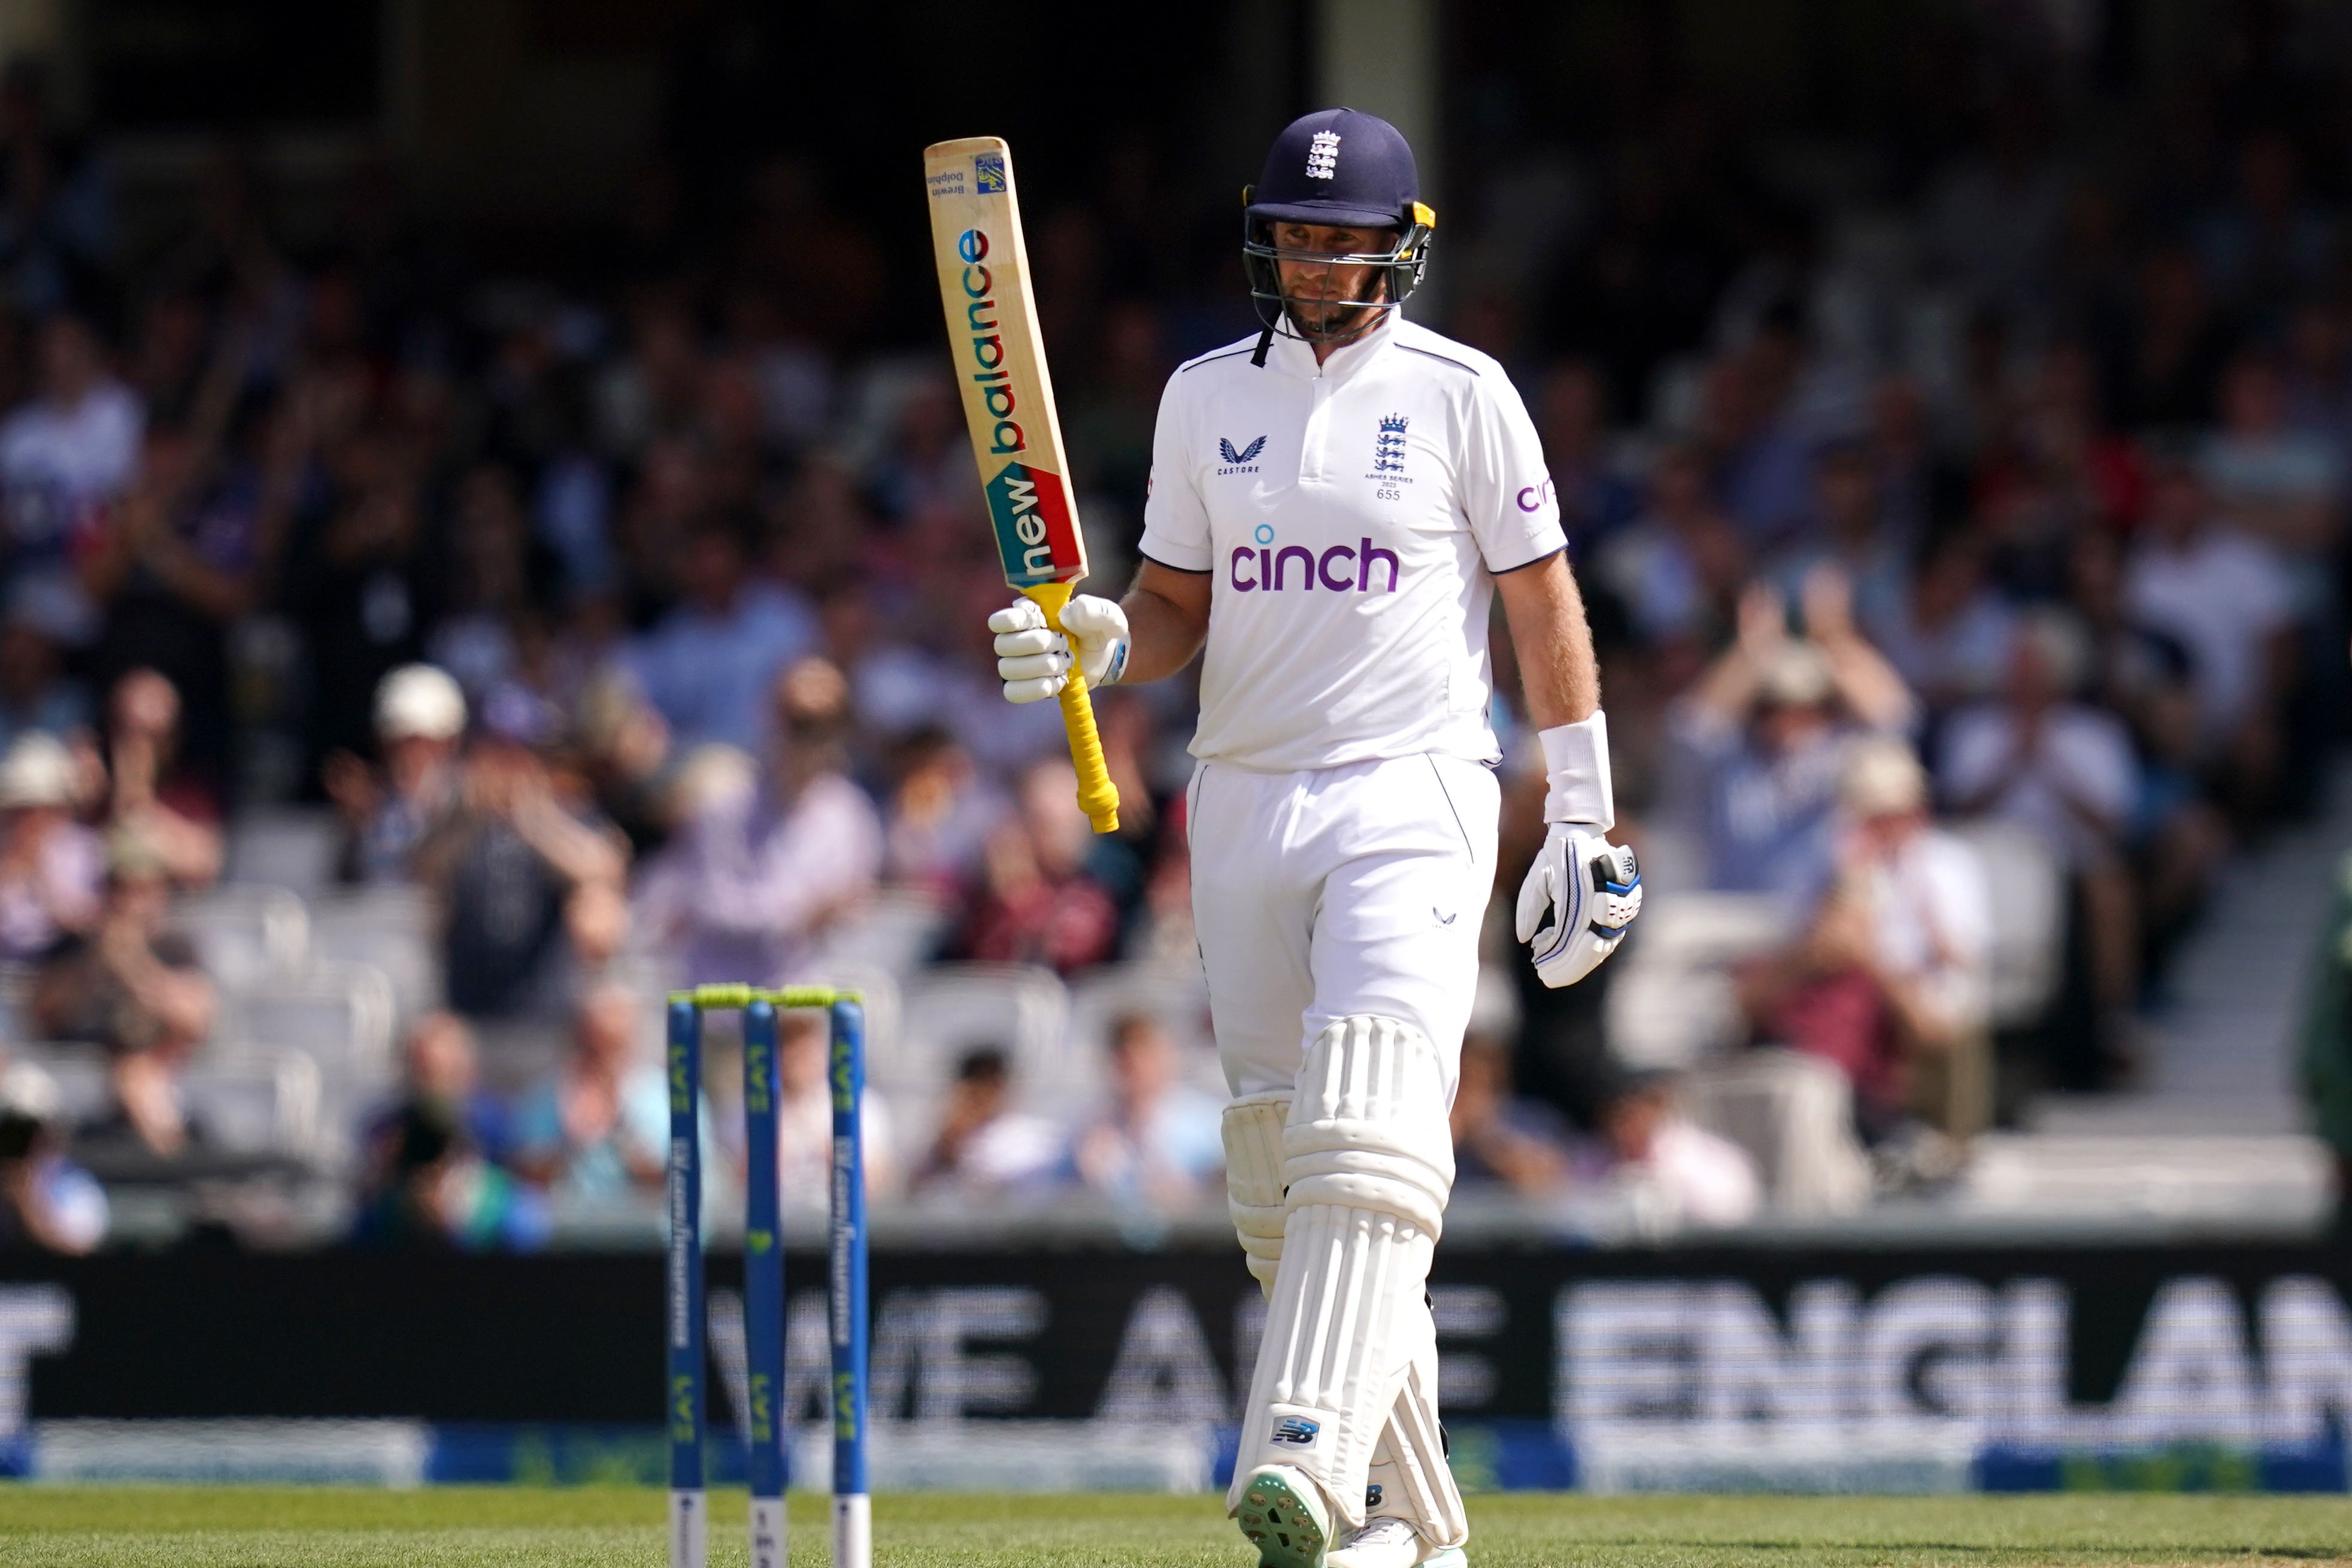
1281	1522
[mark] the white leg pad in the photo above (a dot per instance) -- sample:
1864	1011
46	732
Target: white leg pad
1367	1165
1409	1465
1420	1487
1253	1131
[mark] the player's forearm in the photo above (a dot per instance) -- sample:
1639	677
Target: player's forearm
1167	620
1561	678
1161	639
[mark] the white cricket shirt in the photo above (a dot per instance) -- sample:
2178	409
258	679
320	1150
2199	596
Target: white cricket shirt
1349	515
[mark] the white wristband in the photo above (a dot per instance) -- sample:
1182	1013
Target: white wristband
1576	767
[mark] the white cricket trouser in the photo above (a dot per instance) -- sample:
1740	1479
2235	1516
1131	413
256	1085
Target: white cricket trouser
1338	891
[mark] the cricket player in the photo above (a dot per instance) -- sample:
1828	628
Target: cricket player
1333	503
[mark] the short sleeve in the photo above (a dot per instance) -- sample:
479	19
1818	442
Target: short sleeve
1175	523
1506	492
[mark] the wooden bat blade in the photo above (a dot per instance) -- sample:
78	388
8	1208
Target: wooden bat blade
1000	361
1008	406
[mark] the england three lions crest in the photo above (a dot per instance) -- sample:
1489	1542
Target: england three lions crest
1389	449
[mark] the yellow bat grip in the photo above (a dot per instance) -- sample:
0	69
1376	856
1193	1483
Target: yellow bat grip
1098	796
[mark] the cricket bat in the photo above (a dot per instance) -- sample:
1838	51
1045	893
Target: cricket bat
1008	405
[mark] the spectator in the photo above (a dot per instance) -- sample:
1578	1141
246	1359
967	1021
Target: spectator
711	662
1573	416
597	1131
360	581
2161	364
172	566
171	817
1037	902
1156	1145
137	990
1769	725
1946	635
983	1146
1890	979
35	693
2224	598
895	685
1677	568
441	1070
46	1202
2146	677
623	750
2269	479
1850	535
529	881
1992	220
748	885
427	1186
1704	1179
805	1120
434	1176
389	810
52	868
1500	1139
941	813
57	226
497	579
2273	241
62	457
1763	453
2064	772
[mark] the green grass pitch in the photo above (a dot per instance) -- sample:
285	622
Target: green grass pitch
133	1527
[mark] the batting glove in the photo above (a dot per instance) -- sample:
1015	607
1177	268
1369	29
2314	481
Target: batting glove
1583	892
1035	660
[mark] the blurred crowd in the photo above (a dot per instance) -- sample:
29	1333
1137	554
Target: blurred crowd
636	608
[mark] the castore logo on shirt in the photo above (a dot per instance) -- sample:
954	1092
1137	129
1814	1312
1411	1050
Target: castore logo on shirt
1240	462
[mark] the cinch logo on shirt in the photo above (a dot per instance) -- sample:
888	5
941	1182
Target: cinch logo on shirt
1342	569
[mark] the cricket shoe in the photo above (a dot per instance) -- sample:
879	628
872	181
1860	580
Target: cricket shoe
1386	1542
1286	1518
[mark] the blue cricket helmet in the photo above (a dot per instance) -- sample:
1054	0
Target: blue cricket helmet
1341	168
1338	166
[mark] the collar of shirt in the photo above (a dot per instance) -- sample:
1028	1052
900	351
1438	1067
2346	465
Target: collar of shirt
1294	356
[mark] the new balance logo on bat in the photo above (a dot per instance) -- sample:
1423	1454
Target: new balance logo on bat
1035	535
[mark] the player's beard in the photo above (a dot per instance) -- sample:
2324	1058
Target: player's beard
1333	318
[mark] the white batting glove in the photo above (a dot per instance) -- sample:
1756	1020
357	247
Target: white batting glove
1035	660
1589	889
